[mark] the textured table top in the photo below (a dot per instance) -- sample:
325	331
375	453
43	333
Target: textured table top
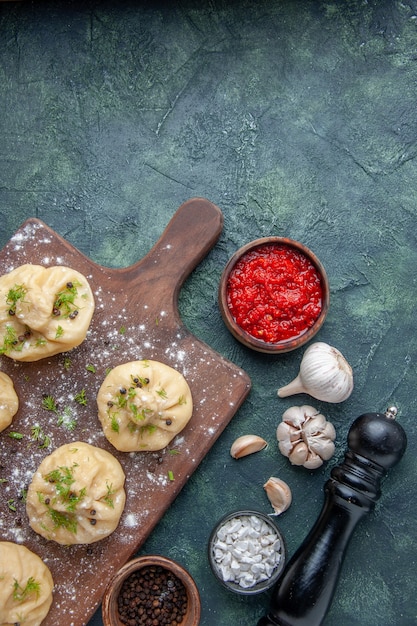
297	120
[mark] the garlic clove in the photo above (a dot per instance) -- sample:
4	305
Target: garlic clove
286	431
247	444
285	446
324	448
315	425
287	436
297	415
329	431
279	494
324	374
299	454
314	461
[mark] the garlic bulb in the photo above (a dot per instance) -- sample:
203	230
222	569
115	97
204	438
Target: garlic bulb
306	437
324	374
279	494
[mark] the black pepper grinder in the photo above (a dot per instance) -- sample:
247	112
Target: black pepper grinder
376	442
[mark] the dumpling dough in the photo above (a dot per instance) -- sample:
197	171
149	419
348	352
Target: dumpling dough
43	311
77	495
26	586
142	405
9	402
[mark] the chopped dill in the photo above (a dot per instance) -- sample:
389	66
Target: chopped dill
81	397
49	403
108	497
67	419
20	593
11	341
64	520
37	434
149	428
14	435
15	294
139	414
63	478
64	302
114	423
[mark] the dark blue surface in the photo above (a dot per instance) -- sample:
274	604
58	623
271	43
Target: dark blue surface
297	119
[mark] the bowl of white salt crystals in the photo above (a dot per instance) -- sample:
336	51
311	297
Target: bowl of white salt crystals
247	552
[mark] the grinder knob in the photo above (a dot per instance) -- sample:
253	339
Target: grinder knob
376	442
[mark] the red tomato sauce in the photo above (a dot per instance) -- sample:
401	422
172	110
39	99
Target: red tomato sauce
274	293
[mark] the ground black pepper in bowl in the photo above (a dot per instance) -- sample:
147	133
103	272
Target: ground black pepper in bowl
151	590
152	596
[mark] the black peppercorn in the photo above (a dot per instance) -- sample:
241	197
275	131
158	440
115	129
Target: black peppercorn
152	596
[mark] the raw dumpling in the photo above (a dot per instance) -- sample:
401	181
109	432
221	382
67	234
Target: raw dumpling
43	311
9	402
142	405
26	586
77	495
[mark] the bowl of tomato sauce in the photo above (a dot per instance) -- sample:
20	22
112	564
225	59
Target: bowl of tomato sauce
274	295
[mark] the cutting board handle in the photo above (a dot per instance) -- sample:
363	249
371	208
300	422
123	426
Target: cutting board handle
190	234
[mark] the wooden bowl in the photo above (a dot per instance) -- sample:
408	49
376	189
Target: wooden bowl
296	340
110	610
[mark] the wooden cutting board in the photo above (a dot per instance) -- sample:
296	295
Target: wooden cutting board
136	317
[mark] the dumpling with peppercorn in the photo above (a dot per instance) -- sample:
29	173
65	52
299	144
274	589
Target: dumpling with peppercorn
9	402
26	586
143	405
43	311
77	495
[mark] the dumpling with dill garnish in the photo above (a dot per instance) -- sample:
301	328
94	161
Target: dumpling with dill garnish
43	311
26	586
9	402
143	405
77	495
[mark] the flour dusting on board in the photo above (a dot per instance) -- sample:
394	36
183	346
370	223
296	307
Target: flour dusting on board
130	322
